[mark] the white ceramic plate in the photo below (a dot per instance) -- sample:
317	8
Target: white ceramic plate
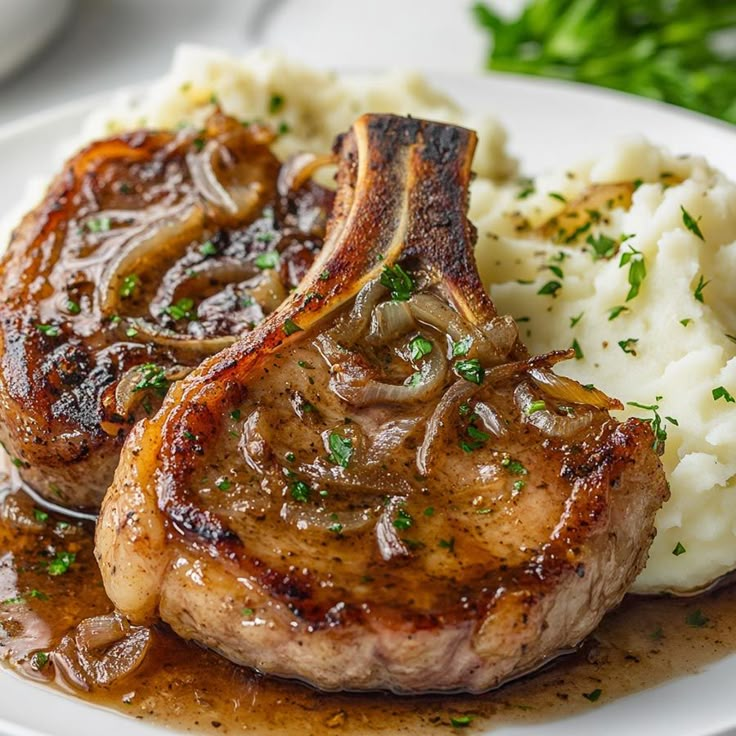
549	123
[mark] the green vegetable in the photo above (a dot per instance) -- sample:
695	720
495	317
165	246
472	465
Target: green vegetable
593	695
471	370
578	350
224	484
557	196
181	310
550	288
637	270
691	224
267	260
603	246
628	345
419	347
341	449
536	406
696	619
300	491
72	307
48	330
403	520
461	721
61	563
448	544
98	225
659	49
398	282
513	466
40	516
655	422
698	293
679	550
130	282
275	103
461	347
575	320
208	248
722	393
153	377
290	327
616	311
39	660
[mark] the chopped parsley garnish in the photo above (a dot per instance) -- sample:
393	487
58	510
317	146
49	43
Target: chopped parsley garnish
518	485
38	595
616	311
721	393
697	619
335	528
578	350
655	422
247	612
290	327
324	276
471	370
575	320
341	449
182	309
300	491
448	544
535	406
429	511
628	345
39	660
691	224
235	415
267	260
153	377
208	248
419	347
61	563
283	128
698	293
275	103
72	307
189	435
403	520
48	330
679	549
17	601
198	143
131	332
593	695
461	721
224	484
477	437
40	516
556	270
603	246
461	347
526	192
128	286
637	270
513	466
557	196
550	288
98	225
398	282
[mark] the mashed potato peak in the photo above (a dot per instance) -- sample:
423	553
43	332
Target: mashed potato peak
669	346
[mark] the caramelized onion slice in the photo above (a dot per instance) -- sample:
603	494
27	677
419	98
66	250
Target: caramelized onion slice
567	389
101	651
546	421
299	169
128	396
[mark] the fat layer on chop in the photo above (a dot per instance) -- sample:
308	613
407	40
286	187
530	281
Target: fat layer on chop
378	487
148	253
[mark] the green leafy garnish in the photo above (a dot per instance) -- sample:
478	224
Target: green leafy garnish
224	484
300	491
593	695
128	285
691	224
629	345
73	307
48	330
616	311
275	103
61	563
208	248
577	350
398	282
655	422
535	406
403	520
575	320
419	347
341	449
471	370
290	327
603	246
721	393
556	195
40	516
182	309
98	225
679	550
461	347
267	260
39	660
153	377
513	466
461	721
550	288
697	619
637	270
698	293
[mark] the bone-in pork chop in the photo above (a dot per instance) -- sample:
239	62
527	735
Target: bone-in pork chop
149	252
378	487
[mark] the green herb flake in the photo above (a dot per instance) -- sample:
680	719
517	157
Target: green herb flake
17	601
471	370
131	332
398	282
556	270
267	260
247	612
697	619
153	377
617	311
48	330
129	285
403	520
224	484
628	345
181	309
235	415
275	104
341	449
513	466
526	192
556	195
72	307
655	422
98	225
721	393
685	322
39	660
461	721
208	248
448	544
593	695
335	528
461	347
300	491
429	511
603	246
575	320
324	276
698	293
691	224
550	288
290	327
40	516
61	563
535	406
579	355
419	347
634	259
189	435
679	549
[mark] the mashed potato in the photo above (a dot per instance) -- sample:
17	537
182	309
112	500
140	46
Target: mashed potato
669	347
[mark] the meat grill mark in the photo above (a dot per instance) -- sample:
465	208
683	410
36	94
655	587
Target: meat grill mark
358	584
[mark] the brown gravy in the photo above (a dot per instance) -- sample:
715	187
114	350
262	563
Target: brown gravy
643	643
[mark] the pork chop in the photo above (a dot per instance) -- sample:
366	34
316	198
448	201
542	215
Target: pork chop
148	253
378	487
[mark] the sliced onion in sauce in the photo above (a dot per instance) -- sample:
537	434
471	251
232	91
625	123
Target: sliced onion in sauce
567	389
390	320
547	421
299	169
127	397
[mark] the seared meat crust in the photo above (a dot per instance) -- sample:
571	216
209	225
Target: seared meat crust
378	487
144	252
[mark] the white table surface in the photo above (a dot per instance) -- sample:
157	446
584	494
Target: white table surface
110	43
